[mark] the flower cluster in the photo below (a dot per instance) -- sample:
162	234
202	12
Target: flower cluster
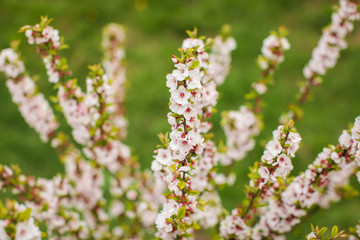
275	166
326	53
175	163
32	105
47	38
234	227
273	50
220	58
19	223
272	54
276	161
84	112
333	166
113	62
332	41
240	128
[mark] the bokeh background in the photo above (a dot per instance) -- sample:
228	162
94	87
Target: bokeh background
155	30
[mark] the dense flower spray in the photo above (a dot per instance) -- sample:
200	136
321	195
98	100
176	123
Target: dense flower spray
32	105
113	62
103	194
325	54
175	164
273	169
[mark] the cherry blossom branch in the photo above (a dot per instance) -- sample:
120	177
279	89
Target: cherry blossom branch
326	53
47	199
274	167
175	162
91	117
32	105
113	39
305	191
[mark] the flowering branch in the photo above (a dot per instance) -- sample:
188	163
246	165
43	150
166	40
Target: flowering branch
175	163
104	195
274	168
113	44
32	105
306	190
326	53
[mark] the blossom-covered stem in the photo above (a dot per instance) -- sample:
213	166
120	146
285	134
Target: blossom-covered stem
272	55
32	105
316	187
38	113
242	125
49	44
276	161
113	39
215	67
205	176
176	160
96	126
326	53
48	200
274	167
91	115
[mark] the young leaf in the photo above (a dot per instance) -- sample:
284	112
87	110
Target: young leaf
334	231
181	213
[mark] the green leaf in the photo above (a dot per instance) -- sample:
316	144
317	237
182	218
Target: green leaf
322	231
334	231
312	227
10	229
24	28
169	220
53	52
181	213
194	65
54	99
64	46
195	225
194	192
23	216
182	227
250	95
181	185
44	207
187	235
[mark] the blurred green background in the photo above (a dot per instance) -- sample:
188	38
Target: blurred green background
155	30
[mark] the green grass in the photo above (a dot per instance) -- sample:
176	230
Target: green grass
153	35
